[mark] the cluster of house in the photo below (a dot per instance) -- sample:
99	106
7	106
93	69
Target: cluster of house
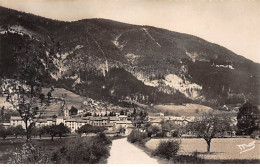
112	124
157	118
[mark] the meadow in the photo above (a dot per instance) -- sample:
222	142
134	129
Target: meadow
221	148
189	110
10	145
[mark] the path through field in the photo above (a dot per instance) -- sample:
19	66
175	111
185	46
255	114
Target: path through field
123	152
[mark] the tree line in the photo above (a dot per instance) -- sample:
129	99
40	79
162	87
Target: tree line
52	130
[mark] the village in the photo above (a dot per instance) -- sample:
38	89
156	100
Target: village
75	111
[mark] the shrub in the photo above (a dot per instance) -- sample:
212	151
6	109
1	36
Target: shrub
4	132
188	159
17	130
152	130
103	139
136	136
255	134
90	129
175	133
30	154
83	150
167	149
161	134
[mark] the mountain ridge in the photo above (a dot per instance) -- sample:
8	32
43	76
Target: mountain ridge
170	62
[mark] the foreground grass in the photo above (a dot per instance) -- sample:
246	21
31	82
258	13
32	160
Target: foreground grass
69	150
195	157
8	146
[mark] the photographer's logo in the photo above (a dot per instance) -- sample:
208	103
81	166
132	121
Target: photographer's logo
246	147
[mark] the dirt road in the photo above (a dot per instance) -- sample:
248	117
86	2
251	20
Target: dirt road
123	152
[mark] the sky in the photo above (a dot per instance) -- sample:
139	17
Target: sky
234	24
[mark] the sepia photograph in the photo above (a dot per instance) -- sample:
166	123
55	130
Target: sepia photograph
129	82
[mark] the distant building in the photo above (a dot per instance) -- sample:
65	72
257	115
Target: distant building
75	122
17	120
6	124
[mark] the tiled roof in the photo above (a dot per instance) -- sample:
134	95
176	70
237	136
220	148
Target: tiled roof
113	118
96	119
15	118
42	120
124	122
81	120
109	132
109	125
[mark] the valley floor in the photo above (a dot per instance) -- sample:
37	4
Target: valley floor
221	148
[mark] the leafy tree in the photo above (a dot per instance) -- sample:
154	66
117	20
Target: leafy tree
2	112
25	87
134	113
248	119
152	130
90	129
49	95
51	130
25	99
139	119
122	112
62	129
84	128
42	97
17	130
87	114
4	132
41	131
73	110
168	126
136	136
121	129
209	125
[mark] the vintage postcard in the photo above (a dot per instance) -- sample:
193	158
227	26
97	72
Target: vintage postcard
129	82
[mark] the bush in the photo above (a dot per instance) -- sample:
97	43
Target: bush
187	159
255	134
167	149
102	139
175	133
161	134
30	154
83	150
136	136
90	129
152	130
4	132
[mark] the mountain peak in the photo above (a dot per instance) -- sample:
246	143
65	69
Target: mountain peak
162	66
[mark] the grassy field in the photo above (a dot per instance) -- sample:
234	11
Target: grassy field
8	146
221	148
188	109
70	98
